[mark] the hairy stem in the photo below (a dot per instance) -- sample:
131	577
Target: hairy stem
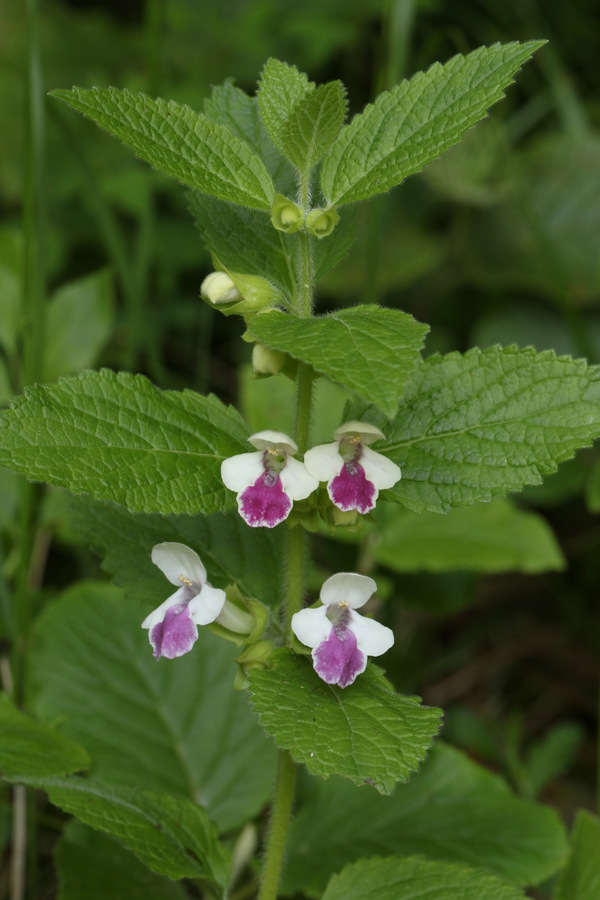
278	826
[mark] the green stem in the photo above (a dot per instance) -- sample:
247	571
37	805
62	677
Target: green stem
278	826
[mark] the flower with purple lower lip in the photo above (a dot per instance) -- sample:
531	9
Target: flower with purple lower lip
268	481
354	473
172	626
340	638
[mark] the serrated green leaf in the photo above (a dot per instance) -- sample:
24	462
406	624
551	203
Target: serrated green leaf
172	835
365	732
280	87
452	810
119	438
581	878
176	726
492	421
370	350
416	121
313	125
233	108
180	142
230	551
245	241
78	324
34	749
416	878
91	865
490	537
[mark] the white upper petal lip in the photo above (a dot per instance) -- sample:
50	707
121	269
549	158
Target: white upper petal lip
348	587
175	559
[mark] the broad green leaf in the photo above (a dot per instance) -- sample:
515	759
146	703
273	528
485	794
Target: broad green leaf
245	241
280	87
581	878
176	726
233	108
452	810
79	323
31	748
416	121
416	878
492	421
490	537
11	279
370	350
550	757
365	732
172	835
119	438
178	141
313	125
92	865
230	551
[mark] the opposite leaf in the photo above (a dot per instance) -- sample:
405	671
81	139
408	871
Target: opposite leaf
33	749
180	142
370	350
313	125
416	878
417	121
172	835
366	732
280	87
119	438
486	423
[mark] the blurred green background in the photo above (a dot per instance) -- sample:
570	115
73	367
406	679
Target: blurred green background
497	242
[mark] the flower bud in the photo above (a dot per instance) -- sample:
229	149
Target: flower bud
266	361
321	222
286	215
219	288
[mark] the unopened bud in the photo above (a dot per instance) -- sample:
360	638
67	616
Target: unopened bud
266	361
286	215
219	288
321	222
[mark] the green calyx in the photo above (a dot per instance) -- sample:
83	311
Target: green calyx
285	215
321	222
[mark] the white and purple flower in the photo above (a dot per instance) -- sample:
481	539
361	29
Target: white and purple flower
340	638
354	473
173	626
268	481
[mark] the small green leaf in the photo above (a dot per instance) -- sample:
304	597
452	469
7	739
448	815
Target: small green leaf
230	551
492	421
365	732
233	108
370	350
33	749
172	835
119	438
144	722
280	87
451	810
180	142
415	878
581	878
91	865
417	121
489	537
313	125
79	323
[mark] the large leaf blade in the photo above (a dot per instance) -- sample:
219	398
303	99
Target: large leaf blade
178	141
416	121
119	438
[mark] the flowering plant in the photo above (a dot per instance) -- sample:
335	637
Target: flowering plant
272	180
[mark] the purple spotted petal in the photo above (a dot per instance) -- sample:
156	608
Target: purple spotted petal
176	634
351	489
264	502
338	660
